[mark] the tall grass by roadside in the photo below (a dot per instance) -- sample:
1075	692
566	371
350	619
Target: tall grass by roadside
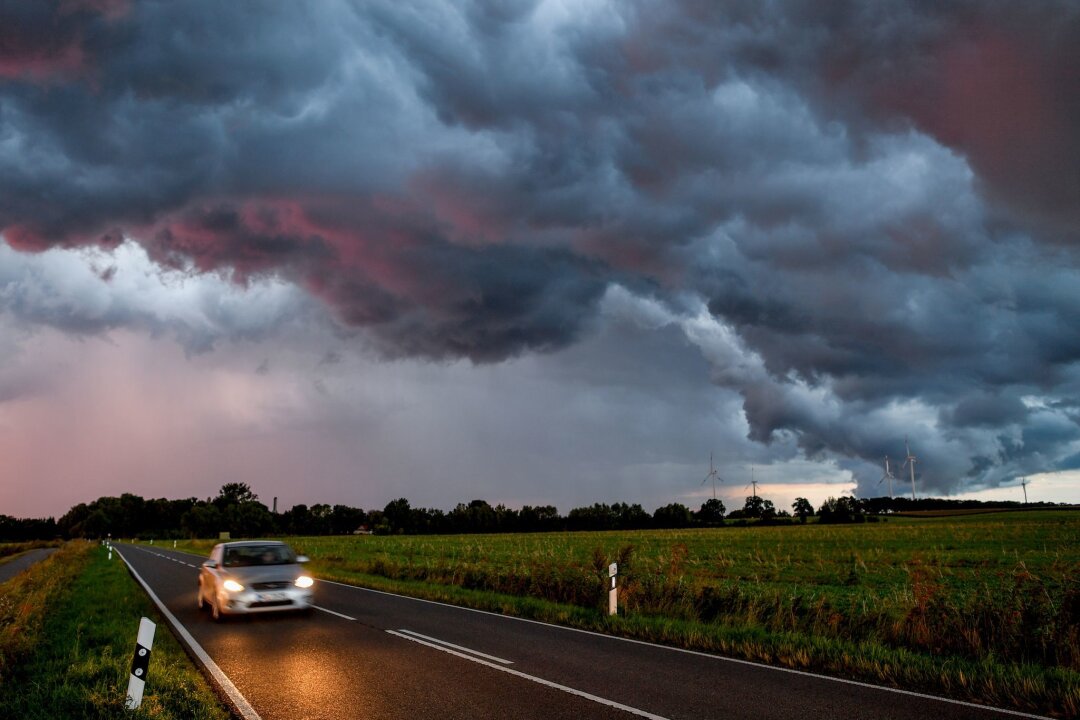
981	608
67	631
8	551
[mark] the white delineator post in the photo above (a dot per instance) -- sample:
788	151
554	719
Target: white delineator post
613	593
140	663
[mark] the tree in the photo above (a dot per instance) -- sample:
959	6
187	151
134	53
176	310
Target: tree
754	507
803	509
399	515
675	515
204	520
20	530
296	520
629	517
844	509
345	520
538	519
711	512
477	516
248	519
234	494
597	516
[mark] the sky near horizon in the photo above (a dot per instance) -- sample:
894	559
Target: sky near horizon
539	252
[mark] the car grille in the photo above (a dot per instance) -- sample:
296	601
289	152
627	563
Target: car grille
280	585
270	603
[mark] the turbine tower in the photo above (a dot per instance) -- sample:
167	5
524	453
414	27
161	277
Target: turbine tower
887	476
752	481
714	475
1024	484
910	462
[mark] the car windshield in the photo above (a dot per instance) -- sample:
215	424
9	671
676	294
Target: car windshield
246	555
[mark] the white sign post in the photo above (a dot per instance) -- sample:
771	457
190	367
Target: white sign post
140	663
613	593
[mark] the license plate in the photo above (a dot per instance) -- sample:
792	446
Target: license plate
271	597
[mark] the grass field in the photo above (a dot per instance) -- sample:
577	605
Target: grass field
979	607
67	631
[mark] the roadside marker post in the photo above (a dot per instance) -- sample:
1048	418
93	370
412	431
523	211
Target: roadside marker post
140	663
613	593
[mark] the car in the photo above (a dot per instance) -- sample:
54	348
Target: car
254	576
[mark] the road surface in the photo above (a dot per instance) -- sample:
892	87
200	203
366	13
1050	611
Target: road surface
13	567
366	654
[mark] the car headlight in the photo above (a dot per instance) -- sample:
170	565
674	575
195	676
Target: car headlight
232	586
304	582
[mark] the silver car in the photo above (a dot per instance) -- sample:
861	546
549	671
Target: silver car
253	576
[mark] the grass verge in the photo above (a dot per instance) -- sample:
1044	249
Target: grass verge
67	631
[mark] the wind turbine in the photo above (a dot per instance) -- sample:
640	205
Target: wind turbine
910	461
714	475
1024	484
887	476
752	481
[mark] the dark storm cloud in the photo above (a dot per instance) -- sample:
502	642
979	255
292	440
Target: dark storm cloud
879	199
987	411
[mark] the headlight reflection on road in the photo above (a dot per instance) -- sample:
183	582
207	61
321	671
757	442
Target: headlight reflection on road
304	581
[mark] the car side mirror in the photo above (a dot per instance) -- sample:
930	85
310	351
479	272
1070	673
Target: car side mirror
210	564
301	558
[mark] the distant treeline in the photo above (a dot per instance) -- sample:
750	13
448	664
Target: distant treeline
237	510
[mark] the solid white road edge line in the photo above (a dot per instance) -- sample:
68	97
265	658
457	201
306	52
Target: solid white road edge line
845	681
333	613
239	701
457	647
533	678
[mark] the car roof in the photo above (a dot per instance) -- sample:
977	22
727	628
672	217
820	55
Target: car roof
248	543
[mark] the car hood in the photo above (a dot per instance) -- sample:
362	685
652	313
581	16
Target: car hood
264	573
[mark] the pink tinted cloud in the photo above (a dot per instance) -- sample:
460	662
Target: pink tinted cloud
355	254
996	100
469	214
58	53
30	238
41	63
1004	97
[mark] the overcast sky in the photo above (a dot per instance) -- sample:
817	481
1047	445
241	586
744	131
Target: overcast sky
537	252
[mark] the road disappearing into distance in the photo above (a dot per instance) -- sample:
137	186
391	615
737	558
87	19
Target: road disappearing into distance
369	654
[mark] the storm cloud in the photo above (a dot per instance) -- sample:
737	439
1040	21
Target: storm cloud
863	217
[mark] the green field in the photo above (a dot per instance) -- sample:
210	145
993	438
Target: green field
67	631
980	607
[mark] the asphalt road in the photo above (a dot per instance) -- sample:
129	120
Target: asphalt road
13	567
366	654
